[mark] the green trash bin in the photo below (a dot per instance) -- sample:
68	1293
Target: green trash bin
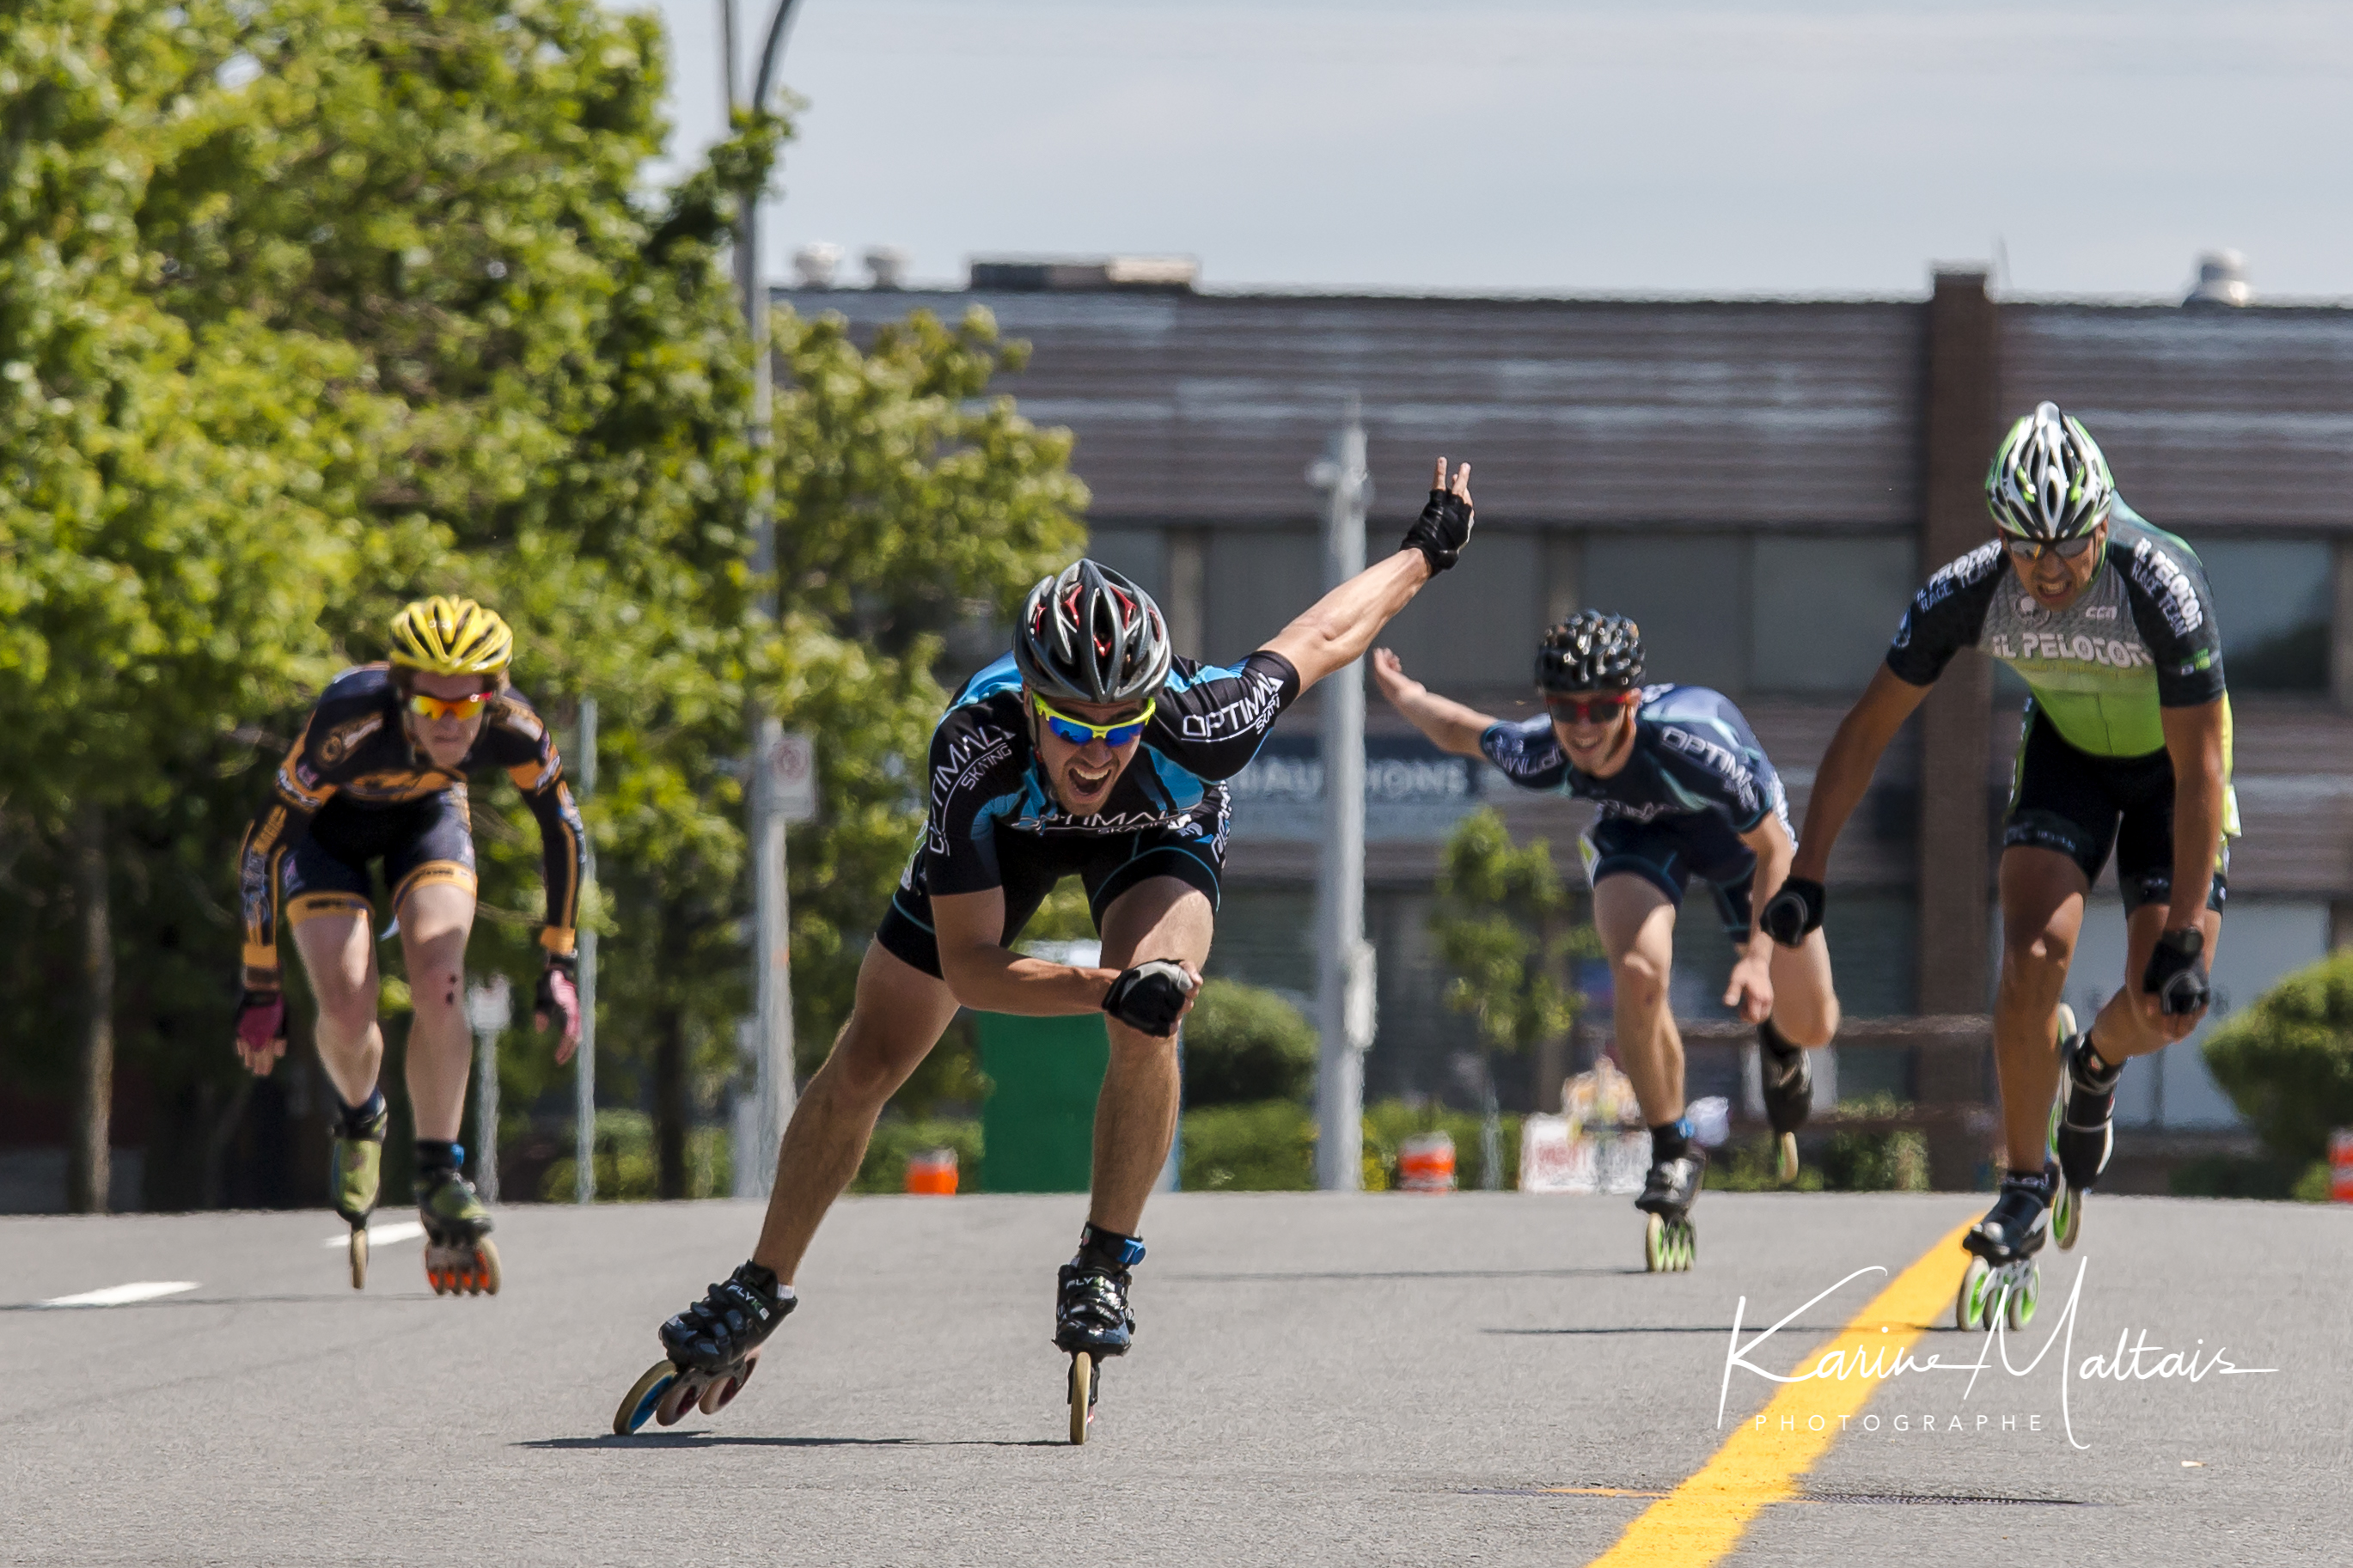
1038	1124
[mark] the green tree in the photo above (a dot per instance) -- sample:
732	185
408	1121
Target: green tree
1503	930
2287	1061
1243	1044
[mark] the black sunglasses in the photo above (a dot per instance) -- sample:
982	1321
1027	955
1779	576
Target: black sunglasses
2065	549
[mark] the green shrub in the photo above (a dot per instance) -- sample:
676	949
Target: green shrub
898	1138
1832	1159
1390	1122
2287	1061
1268	1147
625	1161
1245	1044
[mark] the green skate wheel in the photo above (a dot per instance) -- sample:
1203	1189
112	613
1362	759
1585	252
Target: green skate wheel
638	1406
2025	1294
1654	1247
359	1249
1786	1163
1686	1245
1082	1397
2066	1215
1970	1304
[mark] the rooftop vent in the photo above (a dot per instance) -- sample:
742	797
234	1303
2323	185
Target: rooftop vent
1085	275
2222	281
813	264
886	266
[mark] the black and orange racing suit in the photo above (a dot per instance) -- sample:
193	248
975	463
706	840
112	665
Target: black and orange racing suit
356	789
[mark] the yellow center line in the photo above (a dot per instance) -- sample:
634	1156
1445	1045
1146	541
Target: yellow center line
1702	1520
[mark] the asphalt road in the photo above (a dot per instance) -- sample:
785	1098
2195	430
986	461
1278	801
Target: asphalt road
1466	1378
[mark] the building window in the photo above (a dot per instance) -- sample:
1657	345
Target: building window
2272	599
1688	592
1825	609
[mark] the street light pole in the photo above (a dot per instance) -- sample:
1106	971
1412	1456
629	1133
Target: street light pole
1344	960
771	1045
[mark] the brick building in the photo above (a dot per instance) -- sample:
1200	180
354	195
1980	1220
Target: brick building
1761	484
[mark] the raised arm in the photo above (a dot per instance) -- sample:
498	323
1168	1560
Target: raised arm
1450	726
1338	627
1847	766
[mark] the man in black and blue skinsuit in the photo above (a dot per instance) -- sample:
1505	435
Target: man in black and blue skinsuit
1684	791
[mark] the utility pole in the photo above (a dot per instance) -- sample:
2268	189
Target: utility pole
1345	996
772	1031
490	1008
583	1063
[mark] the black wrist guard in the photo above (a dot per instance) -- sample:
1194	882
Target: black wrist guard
1441	531
1795	912
2175	976
1150	997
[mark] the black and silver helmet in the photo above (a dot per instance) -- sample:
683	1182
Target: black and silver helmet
1089	635
2049	480
1590	652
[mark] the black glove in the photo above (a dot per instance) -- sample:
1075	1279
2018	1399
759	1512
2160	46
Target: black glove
558	997
1150	997
1795	912
1441	531
2174	976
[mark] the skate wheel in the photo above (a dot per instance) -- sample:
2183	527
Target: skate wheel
724	1390
1082	1397
1683	1236
2066	1215
682	1395
1654	1255
359	1257
486	1267
1786	1164
638	1404
2025	1295
1970	1304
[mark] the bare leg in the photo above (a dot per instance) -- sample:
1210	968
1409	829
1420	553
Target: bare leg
2042	896
435	920
1135	1115
1638	931
899	1016
1805	1001
338	957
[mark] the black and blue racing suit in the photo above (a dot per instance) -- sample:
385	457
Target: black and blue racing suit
994	821
1696	780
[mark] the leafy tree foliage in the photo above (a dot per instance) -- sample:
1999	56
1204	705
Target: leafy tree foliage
310	307
1502	927
2287	1061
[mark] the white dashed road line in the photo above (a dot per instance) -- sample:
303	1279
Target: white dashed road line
124	1295
380	1235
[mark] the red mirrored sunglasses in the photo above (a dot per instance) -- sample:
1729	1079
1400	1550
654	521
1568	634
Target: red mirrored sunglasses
1589	709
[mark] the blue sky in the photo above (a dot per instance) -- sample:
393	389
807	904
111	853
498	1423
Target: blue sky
1679	147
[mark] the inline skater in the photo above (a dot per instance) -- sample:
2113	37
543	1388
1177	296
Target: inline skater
1088	750
1684	790
380	775
2125	747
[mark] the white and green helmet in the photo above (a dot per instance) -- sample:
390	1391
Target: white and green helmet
2049	480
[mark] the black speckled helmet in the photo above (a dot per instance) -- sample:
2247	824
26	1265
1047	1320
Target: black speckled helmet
1589	652
1089	635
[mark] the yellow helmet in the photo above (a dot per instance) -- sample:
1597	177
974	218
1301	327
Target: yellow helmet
452	636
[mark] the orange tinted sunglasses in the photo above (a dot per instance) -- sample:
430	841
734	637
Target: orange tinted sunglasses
448	707
1589	710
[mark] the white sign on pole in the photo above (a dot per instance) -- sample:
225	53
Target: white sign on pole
793	765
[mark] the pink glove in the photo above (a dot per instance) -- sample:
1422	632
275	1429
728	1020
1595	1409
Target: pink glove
559	999
261	1030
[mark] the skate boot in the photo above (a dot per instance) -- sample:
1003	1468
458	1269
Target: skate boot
2004	1276
2082	1132
713	1347
458	1253
1789	1080
1092	1320
1669	1240
354	1174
